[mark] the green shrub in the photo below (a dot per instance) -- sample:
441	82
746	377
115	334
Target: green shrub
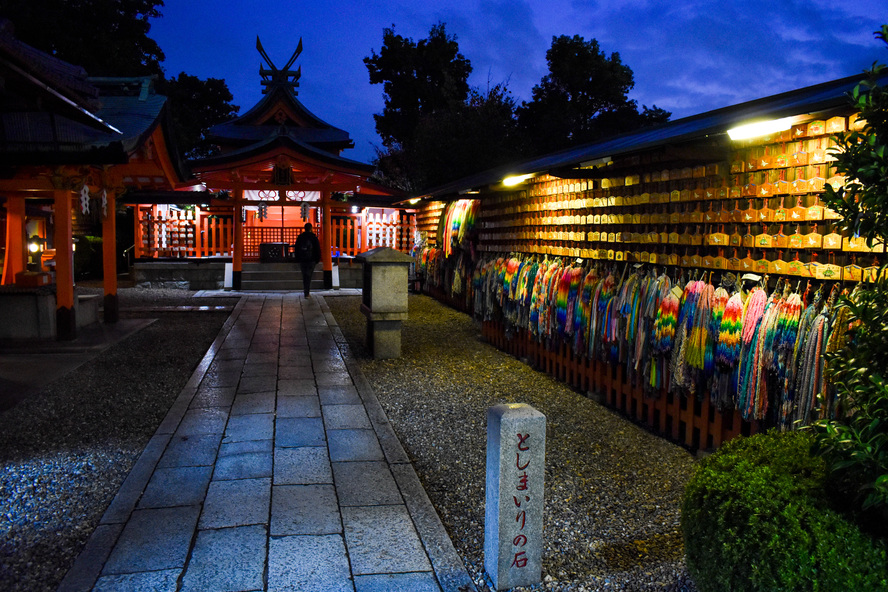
755	517
854	440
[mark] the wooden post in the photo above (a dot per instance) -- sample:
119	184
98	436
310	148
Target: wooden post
238	258
137	231
109	259
365	231
156	228
66	323
16	253
199	245
326	236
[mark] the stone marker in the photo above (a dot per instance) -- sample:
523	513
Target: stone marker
513	514
384	299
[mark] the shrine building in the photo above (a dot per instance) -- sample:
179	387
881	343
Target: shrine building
76	147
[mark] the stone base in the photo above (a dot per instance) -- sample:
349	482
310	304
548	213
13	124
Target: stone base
384	339
28	314
351	273
194	274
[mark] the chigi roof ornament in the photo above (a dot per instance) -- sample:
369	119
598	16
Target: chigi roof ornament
273	78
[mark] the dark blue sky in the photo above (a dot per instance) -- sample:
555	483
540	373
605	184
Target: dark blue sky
688	57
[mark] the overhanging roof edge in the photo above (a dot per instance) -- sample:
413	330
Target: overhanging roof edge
260	147
816	98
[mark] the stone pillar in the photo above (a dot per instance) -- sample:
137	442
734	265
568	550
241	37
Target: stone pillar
384	299
109	259
237	261
66	323
513	512
16	253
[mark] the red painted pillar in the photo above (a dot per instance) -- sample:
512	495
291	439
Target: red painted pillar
238	259
326	241
16	253
66	323
109	259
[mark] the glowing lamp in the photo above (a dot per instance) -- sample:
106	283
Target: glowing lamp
516	179
36	244
760	128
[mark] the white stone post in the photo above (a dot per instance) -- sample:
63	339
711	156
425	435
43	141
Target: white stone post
513	516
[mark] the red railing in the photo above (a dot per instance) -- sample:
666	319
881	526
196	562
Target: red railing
193	233
182	234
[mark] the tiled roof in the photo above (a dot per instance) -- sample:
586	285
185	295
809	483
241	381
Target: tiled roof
711	124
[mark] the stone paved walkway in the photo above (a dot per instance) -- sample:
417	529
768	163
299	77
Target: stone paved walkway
276	469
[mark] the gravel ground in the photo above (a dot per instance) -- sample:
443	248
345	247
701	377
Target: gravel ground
65	450
613	490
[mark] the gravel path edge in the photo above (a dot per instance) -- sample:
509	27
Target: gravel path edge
89	563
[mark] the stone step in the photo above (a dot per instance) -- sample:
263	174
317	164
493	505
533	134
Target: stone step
270	275
277	276
277	285
252	266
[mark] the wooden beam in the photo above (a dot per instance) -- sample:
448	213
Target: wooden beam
214	185
163	158
25	185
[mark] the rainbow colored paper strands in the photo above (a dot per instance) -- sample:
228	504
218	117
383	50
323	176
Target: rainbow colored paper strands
459	219
727	352
667	321
752	313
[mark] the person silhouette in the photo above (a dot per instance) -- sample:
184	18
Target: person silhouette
307	251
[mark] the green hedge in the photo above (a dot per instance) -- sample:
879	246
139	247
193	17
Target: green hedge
755	517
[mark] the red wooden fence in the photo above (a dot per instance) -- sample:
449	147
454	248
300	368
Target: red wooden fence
694	423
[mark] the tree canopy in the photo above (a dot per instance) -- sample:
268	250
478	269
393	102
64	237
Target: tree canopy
478	134
90	33
583	98
197	105
418	79
436	128
110	38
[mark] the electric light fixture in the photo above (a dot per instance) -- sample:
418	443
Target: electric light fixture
760	128
516	179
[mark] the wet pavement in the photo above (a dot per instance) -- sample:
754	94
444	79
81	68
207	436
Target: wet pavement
275	469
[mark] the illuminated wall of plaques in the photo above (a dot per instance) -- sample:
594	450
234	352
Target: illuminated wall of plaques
756	211
427	220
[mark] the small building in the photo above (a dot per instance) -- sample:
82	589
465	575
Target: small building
74	147
278	167
71	145
731	196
